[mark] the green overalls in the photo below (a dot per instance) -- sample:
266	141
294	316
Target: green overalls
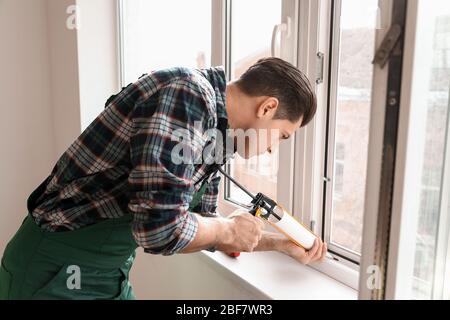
89	263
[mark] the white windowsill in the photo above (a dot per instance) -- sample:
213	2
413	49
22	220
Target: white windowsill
279	277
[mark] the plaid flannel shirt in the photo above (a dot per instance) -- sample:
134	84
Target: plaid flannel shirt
122	162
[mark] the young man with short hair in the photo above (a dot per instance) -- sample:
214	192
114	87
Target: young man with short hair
117	187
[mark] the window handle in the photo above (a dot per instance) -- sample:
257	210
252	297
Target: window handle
277	30
320	67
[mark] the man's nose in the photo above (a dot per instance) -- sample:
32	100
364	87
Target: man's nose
269	149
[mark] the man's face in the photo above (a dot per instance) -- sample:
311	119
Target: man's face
263	135
255	127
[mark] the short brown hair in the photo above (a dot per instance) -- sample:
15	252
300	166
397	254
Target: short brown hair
277	78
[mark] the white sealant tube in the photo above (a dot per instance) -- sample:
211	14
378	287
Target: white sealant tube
295	231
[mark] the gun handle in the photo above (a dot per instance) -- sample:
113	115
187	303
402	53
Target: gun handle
234	254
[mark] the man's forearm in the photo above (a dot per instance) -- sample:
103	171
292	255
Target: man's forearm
219	232
271	241
211	232
215	231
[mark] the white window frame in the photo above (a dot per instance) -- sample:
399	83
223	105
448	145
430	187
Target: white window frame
303	156
408	172
408	176
329	181
221	51
407	187
443	248
349	258
315	17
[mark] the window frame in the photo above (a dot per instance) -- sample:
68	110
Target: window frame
304	171
315	39
441	289
120	38
221	43
399	258
408	178
444	224
334	52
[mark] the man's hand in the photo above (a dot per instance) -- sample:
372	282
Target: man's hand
242	232
316	254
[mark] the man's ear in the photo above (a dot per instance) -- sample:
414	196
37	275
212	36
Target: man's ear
268	108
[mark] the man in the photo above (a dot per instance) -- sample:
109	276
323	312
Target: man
120	185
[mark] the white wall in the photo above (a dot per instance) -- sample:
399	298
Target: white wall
97	56
64	75
26	124
186	276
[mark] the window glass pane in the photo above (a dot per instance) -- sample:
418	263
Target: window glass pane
351	130
156	36
247	46
435	20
